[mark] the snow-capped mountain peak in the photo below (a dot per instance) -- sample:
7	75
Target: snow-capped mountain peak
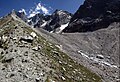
39	8
61	12
53	23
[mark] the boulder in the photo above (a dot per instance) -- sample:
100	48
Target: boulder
35	48
100	56
33	34
15	38
27	39
4	38
63	78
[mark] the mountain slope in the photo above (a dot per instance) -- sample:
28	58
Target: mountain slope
27	56
94	15
98	50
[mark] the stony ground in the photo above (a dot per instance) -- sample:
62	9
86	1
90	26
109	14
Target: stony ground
98	50
25	56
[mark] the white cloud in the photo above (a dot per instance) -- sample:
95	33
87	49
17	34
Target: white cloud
39	9
23	10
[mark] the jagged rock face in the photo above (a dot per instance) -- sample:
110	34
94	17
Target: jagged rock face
51	22
59	18
38	18
94	15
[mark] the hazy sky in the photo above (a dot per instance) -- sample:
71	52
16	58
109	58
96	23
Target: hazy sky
44	6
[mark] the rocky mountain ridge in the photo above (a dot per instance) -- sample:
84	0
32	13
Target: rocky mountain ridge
52	23
94	15
55	22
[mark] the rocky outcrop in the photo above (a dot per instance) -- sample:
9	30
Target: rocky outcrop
27	39
58	18
38	18
94	15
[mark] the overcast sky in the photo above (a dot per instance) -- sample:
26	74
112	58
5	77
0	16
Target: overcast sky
36	6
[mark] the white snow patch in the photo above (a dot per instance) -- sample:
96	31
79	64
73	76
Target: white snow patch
100	61
61	12
62	27
43	24
69	17
51	31
33	13
29	20
22	10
